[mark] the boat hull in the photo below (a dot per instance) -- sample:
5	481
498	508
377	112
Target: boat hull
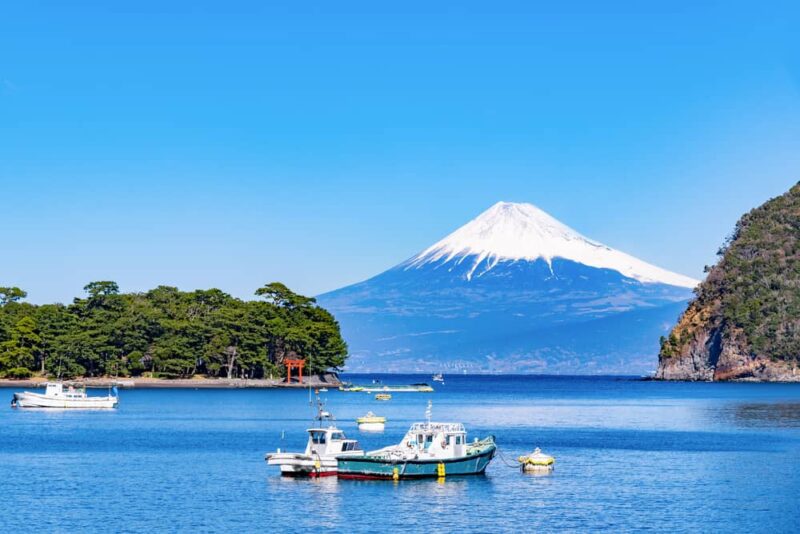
36	400
371	427
301	465
371	467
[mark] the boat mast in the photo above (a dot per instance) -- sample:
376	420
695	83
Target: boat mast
429	412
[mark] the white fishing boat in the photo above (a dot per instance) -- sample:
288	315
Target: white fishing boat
319	458
428	450
438	377
55	396
371	423
324	444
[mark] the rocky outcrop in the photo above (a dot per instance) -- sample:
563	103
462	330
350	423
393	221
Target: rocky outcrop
744	323
716	351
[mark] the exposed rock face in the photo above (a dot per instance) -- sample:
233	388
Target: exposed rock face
744	323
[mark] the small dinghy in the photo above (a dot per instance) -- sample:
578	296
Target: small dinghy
537	462
56	397
383	397
371	423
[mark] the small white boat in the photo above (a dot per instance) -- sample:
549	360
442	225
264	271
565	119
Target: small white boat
383	397
319	459
55	396
537	462
371	423
438	377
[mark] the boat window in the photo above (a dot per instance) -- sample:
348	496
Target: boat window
318	437
337	435
420	438
458	440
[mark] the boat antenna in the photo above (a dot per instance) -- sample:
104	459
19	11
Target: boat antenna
429	411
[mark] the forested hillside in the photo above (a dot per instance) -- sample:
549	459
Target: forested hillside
745	321
166	333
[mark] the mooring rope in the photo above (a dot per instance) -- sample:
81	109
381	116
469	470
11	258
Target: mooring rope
504	460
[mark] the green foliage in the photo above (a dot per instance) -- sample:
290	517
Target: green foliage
167	333
17	372
11	294
755	286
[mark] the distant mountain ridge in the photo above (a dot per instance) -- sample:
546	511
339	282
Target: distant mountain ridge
513	290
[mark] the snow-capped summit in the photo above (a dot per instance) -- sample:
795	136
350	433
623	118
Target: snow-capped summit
510	231
512	291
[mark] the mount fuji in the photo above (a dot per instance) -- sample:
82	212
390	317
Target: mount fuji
513	290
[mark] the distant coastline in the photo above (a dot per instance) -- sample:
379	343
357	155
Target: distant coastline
321	380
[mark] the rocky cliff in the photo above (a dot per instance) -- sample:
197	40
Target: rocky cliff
744	323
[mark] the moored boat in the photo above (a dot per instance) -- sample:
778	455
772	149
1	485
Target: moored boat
371	423
536	462
412	388
383	397
320	456
428	450
55	396
438	377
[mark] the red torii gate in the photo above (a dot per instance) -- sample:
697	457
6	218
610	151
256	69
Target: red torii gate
294	364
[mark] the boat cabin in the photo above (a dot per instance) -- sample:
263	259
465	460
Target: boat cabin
330	441
440	440
56	390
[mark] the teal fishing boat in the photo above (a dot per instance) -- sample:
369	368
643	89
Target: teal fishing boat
428	450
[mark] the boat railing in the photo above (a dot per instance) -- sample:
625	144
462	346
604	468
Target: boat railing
439	427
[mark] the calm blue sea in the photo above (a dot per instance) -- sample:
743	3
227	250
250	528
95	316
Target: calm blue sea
631	455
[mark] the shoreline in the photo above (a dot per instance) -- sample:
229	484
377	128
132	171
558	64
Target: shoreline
321	380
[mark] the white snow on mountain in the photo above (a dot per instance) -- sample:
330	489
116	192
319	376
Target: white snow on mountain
510	231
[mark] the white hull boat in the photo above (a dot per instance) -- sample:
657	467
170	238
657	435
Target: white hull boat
294	464
427	450
320	457
55	396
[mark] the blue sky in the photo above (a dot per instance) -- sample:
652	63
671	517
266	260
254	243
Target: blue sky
235	143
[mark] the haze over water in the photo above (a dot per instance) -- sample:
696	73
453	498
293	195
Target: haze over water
630	455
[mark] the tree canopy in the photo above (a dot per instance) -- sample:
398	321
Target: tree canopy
755	286
166	333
